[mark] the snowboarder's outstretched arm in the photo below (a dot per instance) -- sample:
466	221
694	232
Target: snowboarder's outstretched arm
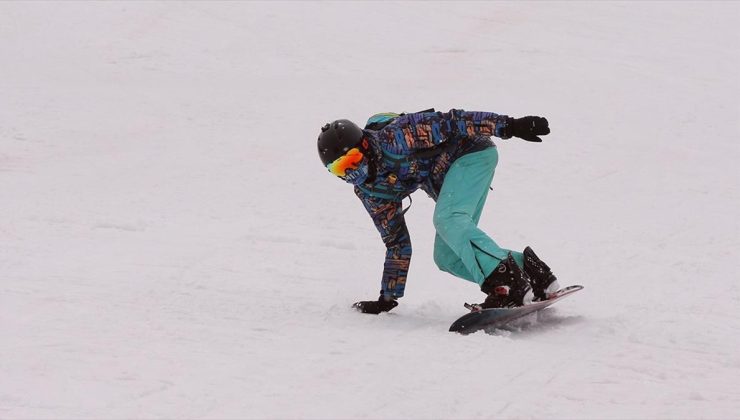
474	123
388	218
425	129
422	130
502	126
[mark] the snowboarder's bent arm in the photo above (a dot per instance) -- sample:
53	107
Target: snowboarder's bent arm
388	218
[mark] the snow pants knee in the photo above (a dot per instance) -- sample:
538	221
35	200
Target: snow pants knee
460	248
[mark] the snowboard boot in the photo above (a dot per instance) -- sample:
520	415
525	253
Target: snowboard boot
507	286
543	281
375	307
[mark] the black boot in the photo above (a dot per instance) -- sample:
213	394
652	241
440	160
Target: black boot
507	286
383	304
543	281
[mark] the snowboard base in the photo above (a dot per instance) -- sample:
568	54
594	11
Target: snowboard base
479	319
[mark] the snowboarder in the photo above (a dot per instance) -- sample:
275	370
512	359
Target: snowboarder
452	158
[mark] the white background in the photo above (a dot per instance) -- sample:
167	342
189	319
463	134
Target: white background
171	247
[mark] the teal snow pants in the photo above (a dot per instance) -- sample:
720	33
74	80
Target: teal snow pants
460	248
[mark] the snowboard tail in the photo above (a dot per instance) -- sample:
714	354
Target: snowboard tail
479	319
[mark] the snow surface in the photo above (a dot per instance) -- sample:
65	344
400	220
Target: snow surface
171	247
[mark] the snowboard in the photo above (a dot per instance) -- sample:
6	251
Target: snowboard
479	319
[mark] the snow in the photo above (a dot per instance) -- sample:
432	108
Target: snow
170	246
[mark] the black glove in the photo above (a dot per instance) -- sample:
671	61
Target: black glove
527	128
376	306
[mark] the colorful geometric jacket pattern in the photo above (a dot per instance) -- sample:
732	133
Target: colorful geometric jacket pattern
415	151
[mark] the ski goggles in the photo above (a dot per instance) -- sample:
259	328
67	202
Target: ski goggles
350	160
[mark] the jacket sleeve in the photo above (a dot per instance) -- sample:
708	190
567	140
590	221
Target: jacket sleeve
388	218
474	123
421	130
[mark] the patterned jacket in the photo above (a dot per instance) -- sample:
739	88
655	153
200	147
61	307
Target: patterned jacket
415	151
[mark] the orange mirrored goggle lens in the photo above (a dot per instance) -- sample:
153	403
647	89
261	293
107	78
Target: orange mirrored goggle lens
351	160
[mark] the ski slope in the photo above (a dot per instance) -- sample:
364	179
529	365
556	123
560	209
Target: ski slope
171	247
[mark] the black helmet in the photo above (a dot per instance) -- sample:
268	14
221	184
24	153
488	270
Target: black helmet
337	138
